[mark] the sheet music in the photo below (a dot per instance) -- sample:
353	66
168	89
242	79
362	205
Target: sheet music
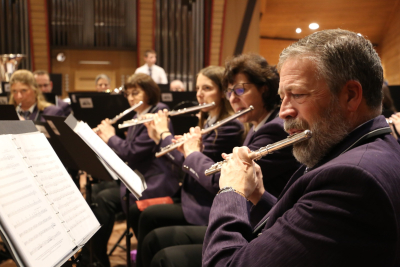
127	175
61	191
25	214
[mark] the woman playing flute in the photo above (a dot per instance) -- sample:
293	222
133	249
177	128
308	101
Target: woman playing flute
138	151
248	80
196	195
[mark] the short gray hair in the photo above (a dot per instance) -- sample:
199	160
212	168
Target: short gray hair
341	56
102	76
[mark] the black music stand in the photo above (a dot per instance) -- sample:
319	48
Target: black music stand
51	98
93	107
83	156
8	112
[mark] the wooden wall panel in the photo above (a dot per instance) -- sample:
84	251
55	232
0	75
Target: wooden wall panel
145	28
389	50
270	49
121	65
40	46
216	31
233	20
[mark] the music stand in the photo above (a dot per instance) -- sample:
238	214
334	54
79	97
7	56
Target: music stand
8	112
93	107
51	98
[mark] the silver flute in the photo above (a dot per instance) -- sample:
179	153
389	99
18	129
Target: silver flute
172	113
169	148
269	149
123	113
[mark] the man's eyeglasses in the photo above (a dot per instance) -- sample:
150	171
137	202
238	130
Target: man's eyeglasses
239	90
43	85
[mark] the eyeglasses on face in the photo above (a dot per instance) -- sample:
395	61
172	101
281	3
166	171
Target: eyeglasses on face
131	93
43	85
238	89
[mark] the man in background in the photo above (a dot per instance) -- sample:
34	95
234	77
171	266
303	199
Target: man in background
102	83
45	85
177	86
150	68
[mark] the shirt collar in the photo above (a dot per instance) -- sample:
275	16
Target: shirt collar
31	109
255	129
211	120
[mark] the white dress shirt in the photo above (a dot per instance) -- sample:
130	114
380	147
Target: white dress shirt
157	73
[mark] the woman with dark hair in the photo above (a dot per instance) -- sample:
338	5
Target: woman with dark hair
196	195
138	151
248	80
28	100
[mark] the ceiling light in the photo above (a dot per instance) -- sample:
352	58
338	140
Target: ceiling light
313	26
359	34
298	30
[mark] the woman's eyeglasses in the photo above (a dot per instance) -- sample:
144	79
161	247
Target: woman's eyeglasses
238	89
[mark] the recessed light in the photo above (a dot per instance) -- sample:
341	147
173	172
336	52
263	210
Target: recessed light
313	26
298	30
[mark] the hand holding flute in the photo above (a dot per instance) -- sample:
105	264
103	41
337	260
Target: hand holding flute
192	141
106	130
157	127
122	114
165	150
243	175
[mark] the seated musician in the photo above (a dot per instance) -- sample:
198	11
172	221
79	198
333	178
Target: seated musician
45	85
342	207
249	81
196	195
28	99
138	151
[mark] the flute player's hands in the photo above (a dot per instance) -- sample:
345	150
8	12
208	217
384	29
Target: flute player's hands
106	130
193	142
242	174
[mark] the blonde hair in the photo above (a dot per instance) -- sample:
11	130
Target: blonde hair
26	77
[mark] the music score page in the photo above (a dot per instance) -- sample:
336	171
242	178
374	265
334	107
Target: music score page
36	232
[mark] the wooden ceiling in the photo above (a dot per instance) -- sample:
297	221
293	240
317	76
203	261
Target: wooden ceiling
371	18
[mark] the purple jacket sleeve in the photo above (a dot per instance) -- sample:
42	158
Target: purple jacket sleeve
257	212
52	111
309	226
65	107
174	156
229	136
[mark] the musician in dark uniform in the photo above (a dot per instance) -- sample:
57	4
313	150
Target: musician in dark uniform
342	207
28	99
249	81
196	194
138	151
44	83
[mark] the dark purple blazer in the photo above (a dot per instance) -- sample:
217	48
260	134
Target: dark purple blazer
197	193
343	212
37	115
277	168
139	151
66	108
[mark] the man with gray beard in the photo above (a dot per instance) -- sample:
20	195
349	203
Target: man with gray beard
342	207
